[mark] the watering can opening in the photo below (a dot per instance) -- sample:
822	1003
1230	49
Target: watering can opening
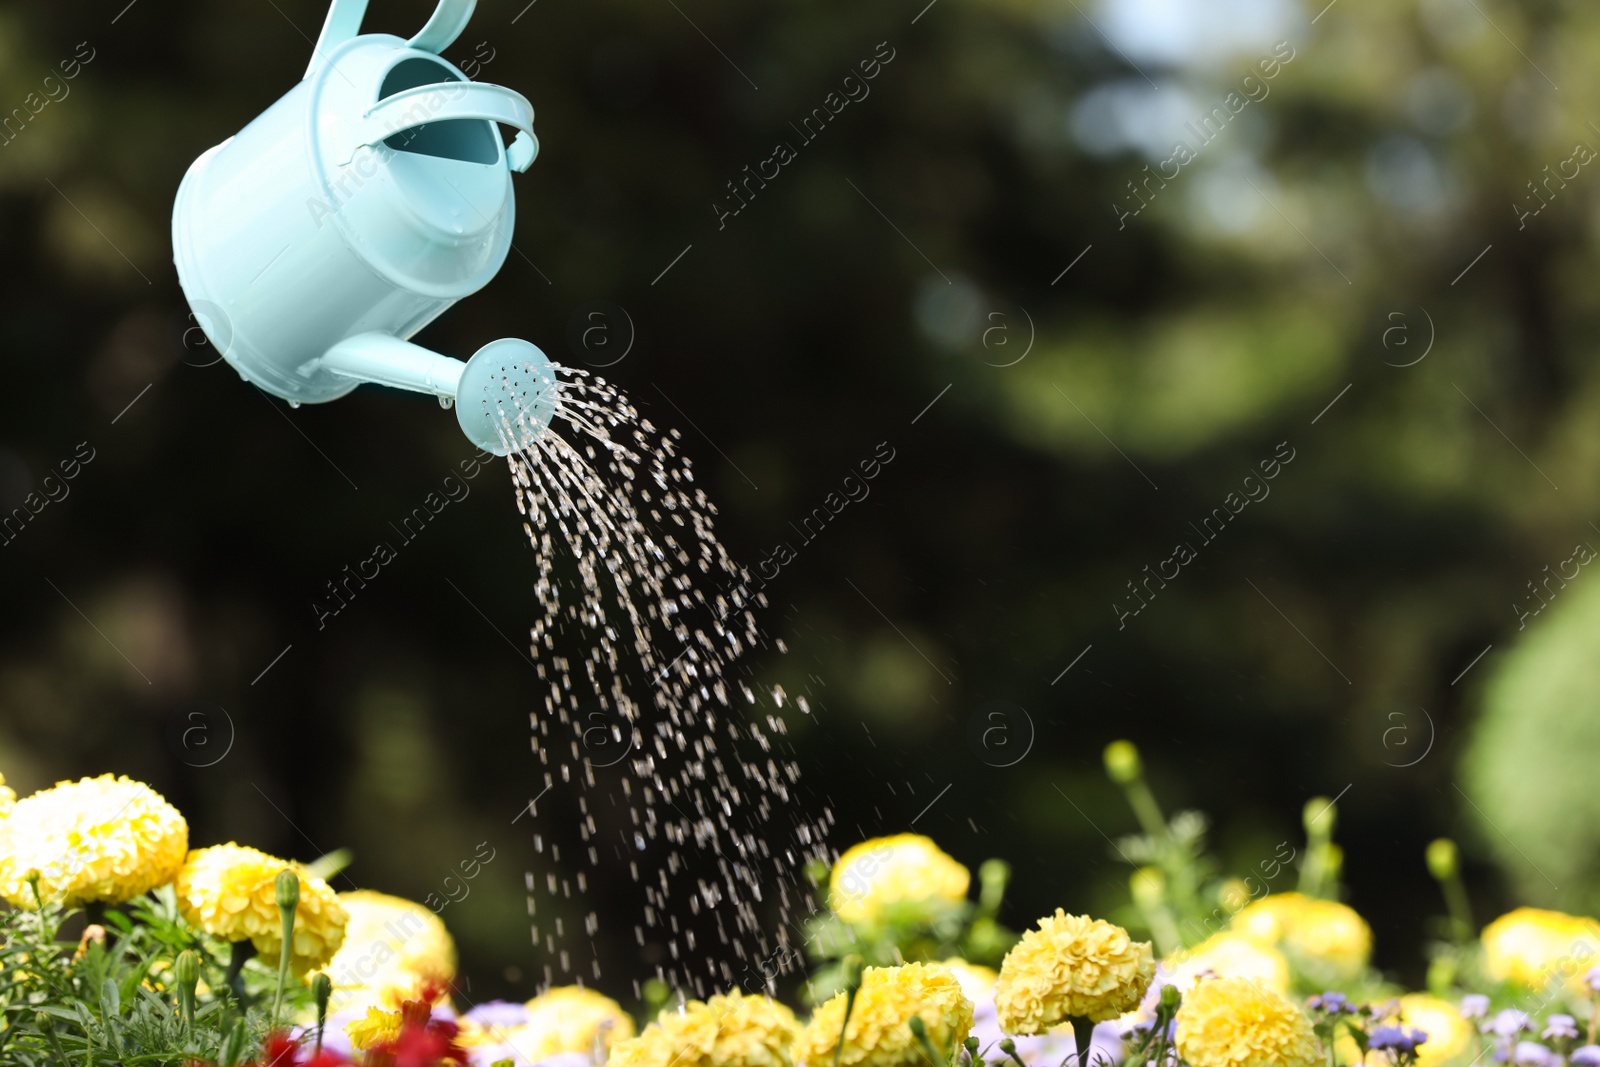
466	140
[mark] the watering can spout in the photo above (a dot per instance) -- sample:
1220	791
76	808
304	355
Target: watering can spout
504	396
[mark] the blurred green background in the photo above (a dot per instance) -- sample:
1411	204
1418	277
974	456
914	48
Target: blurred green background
1325	238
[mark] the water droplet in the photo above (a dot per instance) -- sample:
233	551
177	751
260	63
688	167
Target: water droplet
644	620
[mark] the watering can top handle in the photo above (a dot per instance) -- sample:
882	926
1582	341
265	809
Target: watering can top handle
445	101
344	22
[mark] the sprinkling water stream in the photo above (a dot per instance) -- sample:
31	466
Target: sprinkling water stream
702	811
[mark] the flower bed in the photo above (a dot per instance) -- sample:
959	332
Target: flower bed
124	946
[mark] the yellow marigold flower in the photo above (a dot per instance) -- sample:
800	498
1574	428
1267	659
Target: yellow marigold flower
1232	1022
879	1033
885	871
228	891
1230	955
570	1019
726	1031
1324	934
375	1027
1071	965
98	839
1449	1035
8	797
1270	918
390	947
1530	945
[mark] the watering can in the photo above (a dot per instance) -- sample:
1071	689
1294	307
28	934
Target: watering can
353	212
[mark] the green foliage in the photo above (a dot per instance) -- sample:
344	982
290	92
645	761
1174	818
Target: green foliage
112	997
1177	896
1531	754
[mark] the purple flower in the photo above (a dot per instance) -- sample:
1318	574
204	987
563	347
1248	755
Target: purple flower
1476	1005
1510	1023
1397	1038
1533	1054
1587	1056
1593	979
1332	1003
1560	1026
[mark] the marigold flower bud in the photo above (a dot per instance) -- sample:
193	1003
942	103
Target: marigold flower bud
322	990
1316	810
1442	859
993	876
1170	997
1149	887
288	890
1234	894
1122	762
852	972
187	969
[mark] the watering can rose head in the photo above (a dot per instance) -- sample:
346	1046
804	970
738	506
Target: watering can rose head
362	205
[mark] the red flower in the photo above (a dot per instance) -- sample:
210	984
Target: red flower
280	1050
327	1058
424	1041
424	1047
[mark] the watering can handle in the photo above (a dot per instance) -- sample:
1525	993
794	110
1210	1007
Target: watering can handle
344	22
441	31
446	101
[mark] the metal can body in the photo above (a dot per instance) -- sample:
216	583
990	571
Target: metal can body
308	227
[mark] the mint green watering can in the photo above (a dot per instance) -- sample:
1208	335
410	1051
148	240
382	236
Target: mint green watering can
354	211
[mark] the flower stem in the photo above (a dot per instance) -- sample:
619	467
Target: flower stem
849	1005
919	1030
48	1025
852	983
242	951
288	893
1145	808
322	989
1082	1035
